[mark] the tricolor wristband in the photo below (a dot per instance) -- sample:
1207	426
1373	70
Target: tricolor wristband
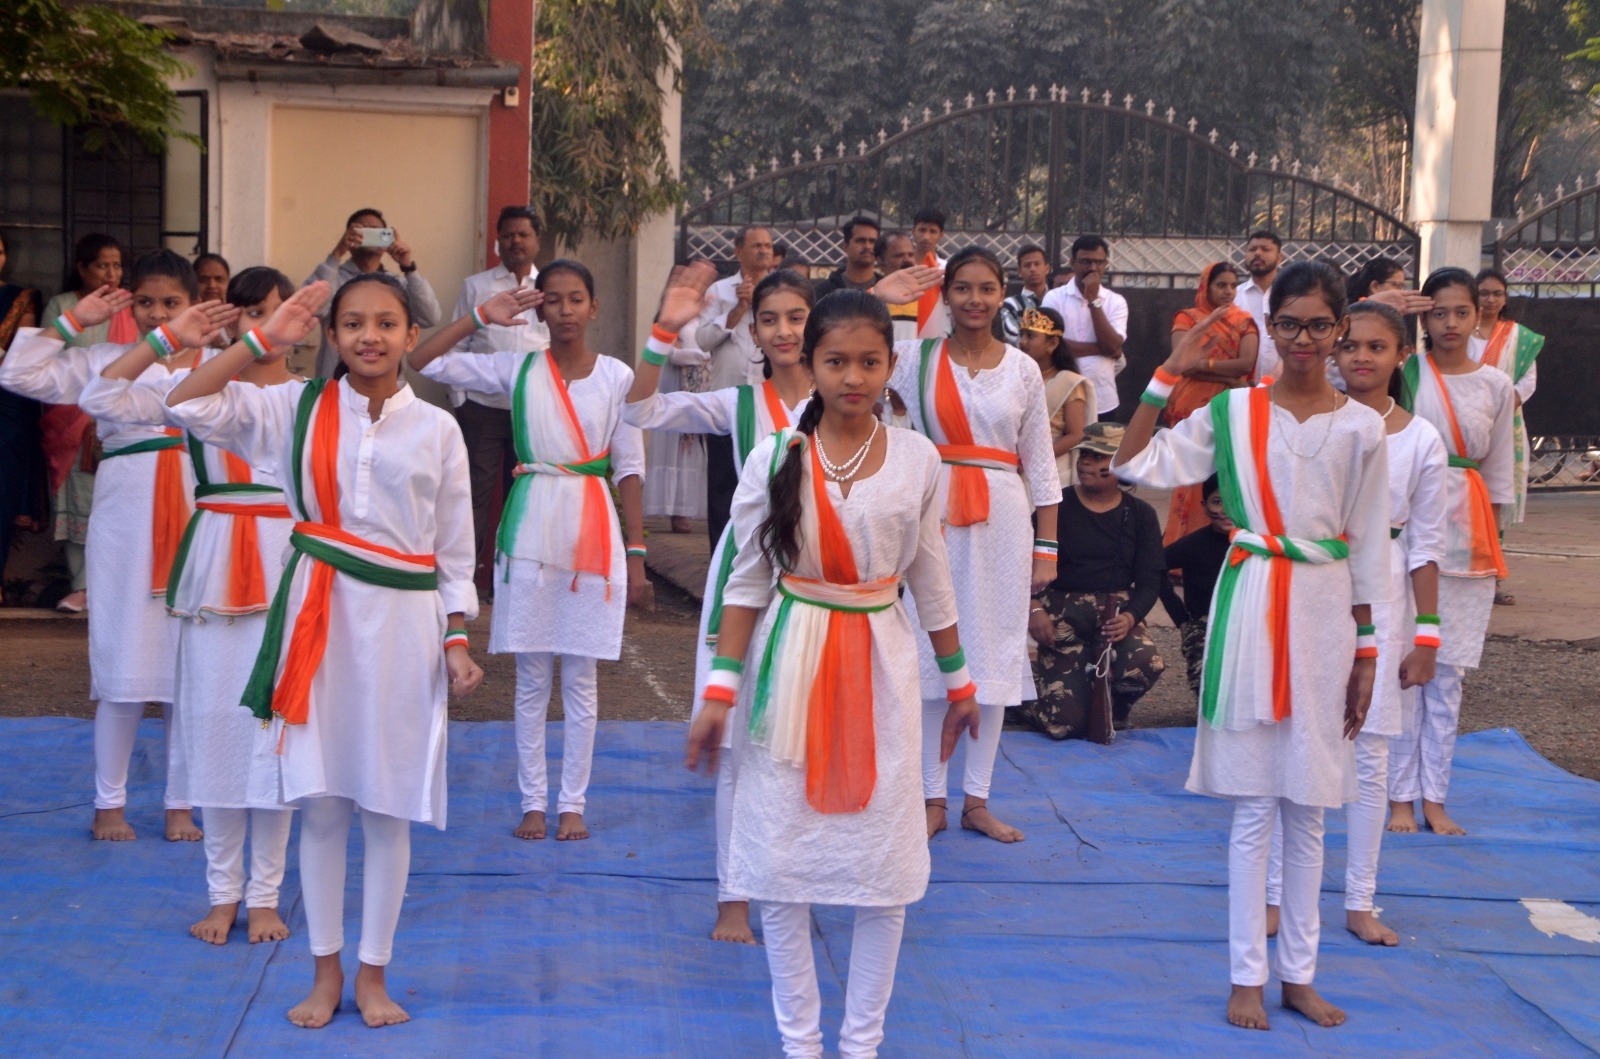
67	325
162	342
257	343
1160	388
1366	641
1046	550
1427	630
455	638
477	318
957	681
722	684
657	346
636	549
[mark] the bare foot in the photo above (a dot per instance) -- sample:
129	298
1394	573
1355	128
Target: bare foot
681	524
181	826
569	828
1273	912
266	925
938	817
733	923
532	826
1247	1009
1402	818
316	1010
1309	1002
111	825
218	922
372	997
1367	927
1439	821
977	817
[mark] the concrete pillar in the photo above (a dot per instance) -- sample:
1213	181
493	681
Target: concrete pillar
1458	92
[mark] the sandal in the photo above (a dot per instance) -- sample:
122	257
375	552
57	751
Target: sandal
1504	599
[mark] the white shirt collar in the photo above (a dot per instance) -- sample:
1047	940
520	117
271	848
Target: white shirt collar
361	405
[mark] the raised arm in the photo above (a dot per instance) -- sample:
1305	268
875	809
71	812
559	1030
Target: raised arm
194	328
288	326
682	301
502	310
1188	353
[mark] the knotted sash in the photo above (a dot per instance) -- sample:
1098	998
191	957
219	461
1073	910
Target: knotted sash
947	425
228	578
813	702
169	508
1250	608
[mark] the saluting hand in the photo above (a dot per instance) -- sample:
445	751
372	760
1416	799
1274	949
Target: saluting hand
101	305
293	320
504	308
199	324
1189	352
685	295
907	285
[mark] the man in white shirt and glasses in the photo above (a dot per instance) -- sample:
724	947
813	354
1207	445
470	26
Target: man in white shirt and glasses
1263	253
1096	319
485	418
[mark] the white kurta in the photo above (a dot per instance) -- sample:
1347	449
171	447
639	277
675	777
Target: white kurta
377	721
1484	410
1417	472
782	849
535	607
1338	488
219	755
132	644
991	563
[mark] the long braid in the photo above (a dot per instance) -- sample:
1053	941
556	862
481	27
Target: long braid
780	533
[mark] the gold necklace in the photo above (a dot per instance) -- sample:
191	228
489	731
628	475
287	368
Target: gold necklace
1326	434
974	366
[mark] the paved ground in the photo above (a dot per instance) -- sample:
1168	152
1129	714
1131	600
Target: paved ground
1541	671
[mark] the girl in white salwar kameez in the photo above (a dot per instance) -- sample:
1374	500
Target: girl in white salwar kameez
1291	654
144	492
779	307
829	730
564	582
1473	407
366	633
982	402
228	566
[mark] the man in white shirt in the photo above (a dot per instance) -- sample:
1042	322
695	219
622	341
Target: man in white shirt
485	418
1096	319
1263	253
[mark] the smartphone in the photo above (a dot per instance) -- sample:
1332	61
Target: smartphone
382	238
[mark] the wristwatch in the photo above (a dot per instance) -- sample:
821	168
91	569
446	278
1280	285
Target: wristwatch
1098	303
408	269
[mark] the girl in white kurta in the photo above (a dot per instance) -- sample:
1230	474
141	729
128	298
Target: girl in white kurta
366	633
1474	410
829	727
1501	342
564	580
779	306
1291	655
228	568
983	404
143	496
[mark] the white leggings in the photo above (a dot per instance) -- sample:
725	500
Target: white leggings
1300	925
324	844
724	803
980	752
1364	822
269	839
116	729
580	706
874	950
1419	761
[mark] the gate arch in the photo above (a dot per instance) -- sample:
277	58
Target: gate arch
1021	167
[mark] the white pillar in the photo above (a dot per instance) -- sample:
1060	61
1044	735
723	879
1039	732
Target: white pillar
1458	92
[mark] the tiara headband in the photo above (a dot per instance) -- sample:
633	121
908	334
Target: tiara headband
1037	322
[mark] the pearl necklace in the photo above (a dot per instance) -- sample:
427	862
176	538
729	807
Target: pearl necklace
1390	411
847	470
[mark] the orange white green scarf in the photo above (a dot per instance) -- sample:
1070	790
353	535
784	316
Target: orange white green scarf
228	577
169	508
944	418
1513	349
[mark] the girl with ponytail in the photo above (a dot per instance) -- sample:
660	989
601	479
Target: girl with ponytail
831	519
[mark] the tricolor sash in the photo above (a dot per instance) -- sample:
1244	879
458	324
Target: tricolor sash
1513	349
554	459
1471	538
929	319
280	682
169	508
229	578
1250	608
813	701
944	417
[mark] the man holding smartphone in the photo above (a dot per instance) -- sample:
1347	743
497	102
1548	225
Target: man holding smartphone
366	239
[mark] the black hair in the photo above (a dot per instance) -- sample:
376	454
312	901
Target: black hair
1438	280
1088	242
848	231
1391	318
252	286
85	253
1224	266
1376	271
565	264
1062	274
1309	277
1061	357
1267	234
881	247
512	213
783	279
1483	274
928	215
218	258
966	256
738	237
383	279
363	213
780	249
779	533
1209	486
1031	248
165	263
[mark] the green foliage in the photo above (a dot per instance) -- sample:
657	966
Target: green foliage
600	163
91	68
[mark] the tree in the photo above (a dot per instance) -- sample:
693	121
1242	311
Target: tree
600	163
93	68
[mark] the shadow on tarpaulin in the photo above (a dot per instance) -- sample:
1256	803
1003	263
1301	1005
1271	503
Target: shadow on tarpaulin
1103	934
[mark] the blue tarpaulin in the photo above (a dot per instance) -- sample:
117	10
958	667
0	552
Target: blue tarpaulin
1104	933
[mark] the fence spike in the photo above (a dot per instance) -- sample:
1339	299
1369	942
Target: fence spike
750	174
969	100
1193	124
797	158
730	180
1253	159
774	164
1033	92
1127	102
948	106
882	135
1499	230
1212	135
1561	192
1539	200
1316	170
839	149
1274	163
1233	149
927	115
1577	182
1083	94
1055	94
989	95
816	152
1355	189
861	147
1011	93
905	123
706	191
1172	116
1149	108
1105	98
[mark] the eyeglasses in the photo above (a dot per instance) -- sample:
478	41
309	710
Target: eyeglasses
1288	327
